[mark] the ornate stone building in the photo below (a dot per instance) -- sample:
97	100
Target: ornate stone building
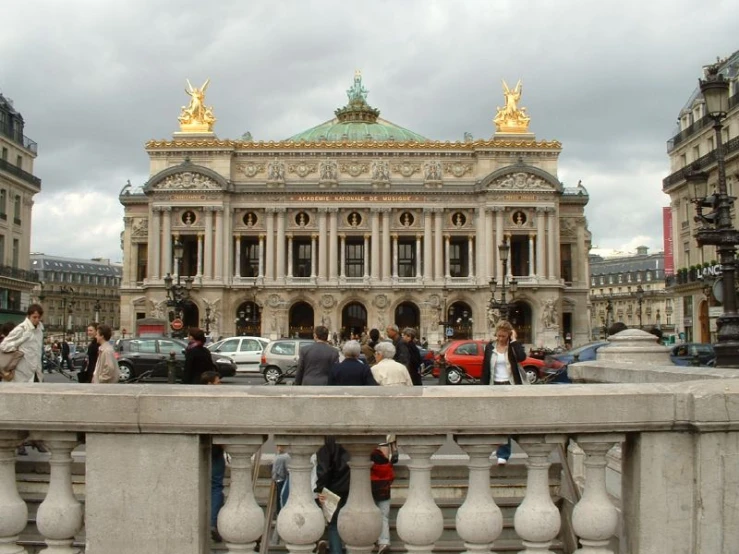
357	223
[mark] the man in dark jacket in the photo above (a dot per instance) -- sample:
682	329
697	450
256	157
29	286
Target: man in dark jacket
317	360
414	355
197	358
333	473
65	355
85	375
401	349
351	372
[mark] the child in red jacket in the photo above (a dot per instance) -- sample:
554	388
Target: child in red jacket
382	476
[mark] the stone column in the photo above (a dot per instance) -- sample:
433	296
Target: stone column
595	518
219	246
128	278
386	267
447	269
200	255
269	271
241	520
322	244
490	241
418	257
360	520
531	254
481	262
333	257
313	256
427	246
579	257
552	243
438	244
226	234
290	256
208	251
60	516
420	522
166	239
237	256
261	257
365	265
280	245
375	256
342	250
499	215
540	237
395	256
479	520
155	234
13	510
471	256
301	522
537	520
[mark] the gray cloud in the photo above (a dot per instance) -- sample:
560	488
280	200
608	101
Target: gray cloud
95	80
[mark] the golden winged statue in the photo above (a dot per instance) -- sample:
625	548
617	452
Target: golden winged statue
510	118
197	117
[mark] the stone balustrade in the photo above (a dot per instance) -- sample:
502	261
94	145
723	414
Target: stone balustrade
148	452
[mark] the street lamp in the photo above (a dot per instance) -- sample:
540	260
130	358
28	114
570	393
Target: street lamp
502	305
466	323
177	293
207	321
241	323
639	299
96	307
716	227
64	291
609	316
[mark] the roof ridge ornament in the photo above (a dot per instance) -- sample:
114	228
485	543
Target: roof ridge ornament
357	109
196	117
511	119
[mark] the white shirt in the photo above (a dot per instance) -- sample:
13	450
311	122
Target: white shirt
499	366
389	372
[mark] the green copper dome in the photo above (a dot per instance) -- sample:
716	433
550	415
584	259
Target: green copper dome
357	121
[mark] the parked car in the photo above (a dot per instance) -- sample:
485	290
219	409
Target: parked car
138	355
468	354
245	352
693	353
583	353
280	359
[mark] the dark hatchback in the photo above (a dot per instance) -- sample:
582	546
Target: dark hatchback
693	353
139	355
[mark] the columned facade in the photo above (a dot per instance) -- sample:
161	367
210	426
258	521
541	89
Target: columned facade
403	228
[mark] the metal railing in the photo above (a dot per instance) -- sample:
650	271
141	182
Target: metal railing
691	129
17	273
699	164
20	138
18	172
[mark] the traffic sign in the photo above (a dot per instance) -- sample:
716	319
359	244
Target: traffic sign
176	324
449	332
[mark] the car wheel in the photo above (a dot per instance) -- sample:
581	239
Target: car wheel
531	374
272	375
453	376
126	373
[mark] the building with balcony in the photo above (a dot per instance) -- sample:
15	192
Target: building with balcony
630	289
75	292
692	148
357	223
18	185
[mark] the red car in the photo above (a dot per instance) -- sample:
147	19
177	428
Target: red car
467	355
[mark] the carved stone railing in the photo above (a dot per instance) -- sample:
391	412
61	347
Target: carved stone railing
148	448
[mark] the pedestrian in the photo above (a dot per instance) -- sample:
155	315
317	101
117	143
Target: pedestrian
106	366
500	366
368	348
414	355
217	466
332	473
382	476
401	349
351	371
65	354
27	337
316	361
197	357
85	375
388	372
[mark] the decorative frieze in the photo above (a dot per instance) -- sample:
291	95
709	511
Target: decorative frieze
251	169
302	169
187	180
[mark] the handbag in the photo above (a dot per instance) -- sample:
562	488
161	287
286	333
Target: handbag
8	363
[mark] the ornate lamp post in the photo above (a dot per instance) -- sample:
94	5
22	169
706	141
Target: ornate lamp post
70	327
609	316
502	305
639	300
96	307
64	291
177	293
207	321
716	227
241	323
466	322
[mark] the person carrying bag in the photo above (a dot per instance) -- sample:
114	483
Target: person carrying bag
24	344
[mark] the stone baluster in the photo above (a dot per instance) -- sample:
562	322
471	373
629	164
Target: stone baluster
479	519
537	520
360	521
595	518
420	522
241	520
301	522
13	510
60	515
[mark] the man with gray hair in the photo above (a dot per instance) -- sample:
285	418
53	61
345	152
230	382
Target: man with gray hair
315	361
352	372
387	371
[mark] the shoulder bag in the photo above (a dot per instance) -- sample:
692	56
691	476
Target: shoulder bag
8	363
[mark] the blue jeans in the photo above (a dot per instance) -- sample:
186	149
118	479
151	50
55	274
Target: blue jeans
335	546
218	470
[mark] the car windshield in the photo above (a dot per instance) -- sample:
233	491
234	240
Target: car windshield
581	349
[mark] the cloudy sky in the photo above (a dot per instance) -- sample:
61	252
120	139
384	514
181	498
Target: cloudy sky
96	79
